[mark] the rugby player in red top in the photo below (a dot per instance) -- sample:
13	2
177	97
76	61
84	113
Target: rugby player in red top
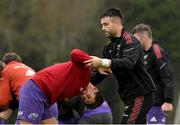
13	76
5	88
60	81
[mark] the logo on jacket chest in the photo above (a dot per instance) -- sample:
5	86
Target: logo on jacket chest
145	59
117	50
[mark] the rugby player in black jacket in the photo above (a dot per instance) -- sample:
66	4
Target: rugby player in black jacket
158	66
123	55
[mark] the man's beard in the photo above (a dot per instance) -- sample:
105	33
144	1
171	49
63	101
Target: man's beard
109	34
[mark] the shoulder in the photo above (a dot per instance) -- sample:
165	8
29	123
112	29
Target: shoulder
108	43
128	38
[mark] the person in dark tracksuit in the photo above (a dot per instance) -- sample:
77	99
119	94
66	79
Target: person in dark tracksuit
123	55
158	66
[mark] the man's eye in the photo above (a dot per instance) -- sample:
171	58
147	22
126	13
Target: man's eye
105	24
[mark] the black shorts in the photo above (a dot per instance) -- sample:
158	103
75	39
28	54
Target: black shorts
135	111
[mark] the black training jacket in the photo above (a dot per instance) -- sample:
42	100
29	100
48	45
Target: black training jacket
127	67
158	66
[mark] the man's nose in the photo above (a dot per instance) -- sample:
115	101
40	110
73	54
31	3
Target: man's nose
103	28
88	95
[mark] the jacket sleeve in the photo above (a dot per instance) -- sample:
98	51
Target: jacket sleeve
130	55
96	77
163	67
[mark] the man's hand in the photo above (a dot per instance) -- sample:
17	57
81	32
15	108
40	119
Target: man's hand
97	62
167	107
94	62
104	70
6	114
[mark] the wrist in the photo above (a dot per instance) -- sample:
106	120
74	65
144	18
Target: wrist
106	63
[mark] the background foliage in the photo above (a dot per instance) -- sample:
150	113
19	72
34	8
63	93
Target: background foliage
43	32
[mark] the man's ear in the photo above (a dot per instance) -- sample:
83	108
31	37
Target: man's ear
96	89
118	23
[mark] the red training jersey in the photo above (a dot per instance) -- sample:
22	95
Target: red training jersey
64	80
14	76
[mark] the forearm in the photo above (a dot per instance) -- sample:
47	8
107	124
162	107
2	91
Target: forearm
96	77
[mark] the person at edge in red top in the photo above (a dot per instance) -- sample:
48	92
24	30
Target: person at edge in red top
158	65
13	76
3	103
59	81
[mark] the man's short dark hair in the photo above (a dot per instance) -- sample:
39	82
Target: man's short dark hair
113	12
11	56
141	28
99	100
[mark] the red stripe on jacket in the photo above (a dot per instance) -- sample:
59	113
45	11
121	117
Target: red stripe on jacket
127	38
136	109
157	51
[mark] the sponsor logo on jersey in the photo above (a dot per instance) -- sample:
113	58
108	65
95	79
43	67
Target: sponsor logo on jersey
32	115
30	72
20	113
153	119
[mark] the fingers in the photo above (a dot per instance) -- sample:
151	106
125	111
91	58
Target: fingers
90	60
6	114
95	62
102	72
87	61
166	108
